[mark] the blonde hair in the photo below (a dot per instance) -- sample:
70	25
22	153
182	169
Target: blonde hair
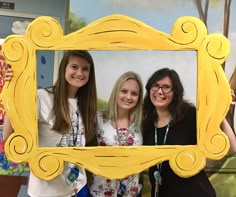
136	113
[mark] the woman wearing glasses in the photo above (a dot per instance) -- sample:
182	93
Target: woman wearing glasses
170	120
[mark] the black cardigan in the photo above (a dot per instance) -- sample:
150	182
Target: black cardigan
182	133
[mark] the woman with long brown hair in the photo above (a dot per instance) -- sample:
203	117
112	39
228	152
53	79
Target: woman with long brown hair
66	117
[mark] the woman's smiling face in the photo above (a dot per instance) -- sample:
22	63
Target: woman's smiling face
161	98
128	95
77	73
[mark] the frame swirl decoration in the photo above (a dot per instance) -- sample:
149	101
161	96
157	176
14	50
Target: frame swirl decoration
116	32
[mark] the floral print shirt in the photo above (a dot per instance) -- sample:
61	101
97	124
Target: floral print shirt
107	135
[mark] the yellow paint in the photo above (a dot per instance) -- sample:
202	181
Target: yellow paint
117	32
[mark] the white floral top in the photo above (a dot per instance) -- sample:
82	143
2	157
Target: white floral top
107	135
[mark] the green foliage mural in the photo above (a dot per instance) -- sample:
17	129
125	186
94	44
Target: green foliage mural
74	23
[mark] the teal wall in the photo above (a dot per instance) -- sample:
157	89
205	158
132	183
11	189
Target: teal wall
56	8
27	10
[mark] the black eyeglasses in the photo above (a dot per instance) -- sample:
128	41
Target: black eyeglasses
165	88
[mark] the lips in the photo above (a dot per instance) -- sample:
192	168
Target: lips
159	98
77	79
127	103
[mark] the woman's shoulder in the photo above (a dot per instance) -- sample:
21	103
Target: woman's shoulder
101	114
189	107
102	118
45	96
190	112
42	92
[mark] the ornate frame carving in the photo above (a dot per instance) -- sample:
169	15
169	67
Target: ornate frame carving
116	32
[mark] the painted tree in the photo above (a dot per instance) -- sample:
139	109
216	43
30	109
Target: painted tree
202	12
226	17
213	167
202	7
74	23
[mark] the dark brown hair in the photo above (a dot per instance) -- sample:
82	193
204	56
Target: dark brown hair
178	104
86	97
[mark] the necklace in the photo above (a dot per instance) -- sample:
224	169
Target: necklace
157	173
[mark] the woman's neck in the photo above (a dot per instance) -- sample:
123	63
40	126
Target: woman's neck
72	92
123	119
163	119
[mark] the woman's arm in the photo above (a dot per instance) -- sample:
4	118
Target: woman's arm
231	135
7	128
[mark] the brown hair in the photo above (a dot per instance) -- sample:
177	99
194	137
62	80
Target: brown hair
178	104
86	97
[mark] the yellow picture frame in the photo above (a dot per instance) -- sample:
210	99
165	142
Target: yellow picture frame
116	32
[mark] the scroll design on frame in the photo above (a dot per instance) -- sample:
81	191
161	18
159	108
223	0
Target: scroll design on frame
116	32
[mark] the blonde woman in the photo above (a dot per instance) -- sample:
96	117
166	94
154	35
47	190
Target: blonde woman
119	125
